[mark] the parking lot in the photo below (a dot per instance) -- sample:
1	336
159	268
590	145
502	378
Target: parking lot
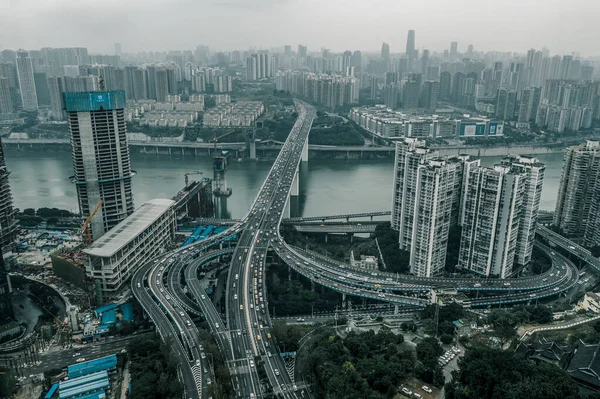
415	387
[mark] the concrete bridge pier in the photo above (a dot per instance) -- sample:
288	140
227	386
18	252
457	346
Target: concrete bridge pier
326	235
395	309
305	151
312	286
287	210
289	273
295	189
343	301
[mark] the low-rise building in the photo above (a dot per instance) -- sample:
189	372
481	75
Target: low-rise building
112	259
386	122
365	263
590	302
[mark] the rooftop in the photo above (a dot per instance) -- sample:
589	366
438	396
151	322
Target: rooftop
123	233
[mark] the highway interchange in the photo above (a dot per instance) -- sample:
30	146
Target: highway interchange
244	337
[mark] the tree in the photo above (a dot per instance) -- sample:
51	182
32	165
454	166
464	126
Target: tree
428	352
446	339
486	373
29	212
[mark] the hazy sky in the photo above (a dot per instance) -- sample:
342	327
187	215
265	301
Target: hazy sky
503	25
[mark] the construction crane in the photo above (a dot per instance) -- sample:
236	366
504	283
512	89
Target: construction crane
227	133
194	172
85	231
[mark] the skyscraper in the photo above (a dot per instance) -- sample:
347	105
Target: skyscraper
409	153
8	223
251	68
26	81
101	165
410	48
429	94
432	213
579	183
6	307
6	106
492	206
385	51
453	51
534	172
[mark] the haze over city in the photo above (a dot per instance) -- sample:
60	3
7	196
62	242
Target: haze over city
287	199
157	25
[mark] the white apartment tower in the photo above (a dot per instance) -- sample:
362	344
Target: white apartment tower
101	165
26	81
577	209
491	217
410	152
432	214
534	172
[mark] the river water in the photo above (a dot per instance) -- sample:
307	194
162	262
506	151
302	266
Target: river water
40	179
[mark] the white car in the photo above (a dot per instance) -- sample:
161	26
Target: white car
426	389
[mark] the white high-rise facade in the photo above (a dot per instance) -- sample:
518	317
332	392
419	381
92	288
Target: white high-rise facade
491	217
577	211
26	81
432	215
534	172
101	165
410	153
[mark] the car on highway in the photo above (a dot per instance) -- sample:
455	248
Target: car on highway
76	354
276	372
81	359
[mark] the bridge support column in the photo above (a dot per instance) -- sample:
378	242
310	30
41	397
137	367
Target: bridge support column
287	210
326	235
343	301
305	151
395	309
289	273
295	189
252	149
312	286
169	150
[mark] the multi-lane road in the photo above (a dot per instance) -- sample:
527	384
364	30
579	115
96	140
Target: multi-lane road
244	333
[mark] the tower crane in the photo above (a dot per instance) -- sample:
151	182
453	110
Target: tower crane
85	231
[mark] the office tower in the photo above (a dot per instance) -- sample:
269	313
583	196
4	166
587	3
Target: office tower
117	48
410	94
530	100
533	180
410	48
6	106
424	61
579	182
429	95
435	183
101	165
457	87
445	85
506	101
251	68
492	206
453	51
26	81
41	88
409	154
8	222
385	51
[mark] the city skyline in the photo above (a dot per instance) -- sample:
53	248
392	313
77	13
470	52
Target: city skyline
277	22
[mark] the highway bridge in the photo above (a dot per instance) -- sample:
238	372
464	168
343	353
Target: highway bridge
243	335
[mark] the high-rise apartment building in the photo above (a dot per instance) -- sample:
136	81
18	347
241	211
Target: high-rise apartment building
6	106
251	68
435	184
491	216
429	94
8	222
530	100
506	102
101	165
579	186
26	81
410	153
534	172
453	51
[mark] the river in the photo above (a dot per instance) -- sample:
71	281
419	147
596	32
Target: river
41	179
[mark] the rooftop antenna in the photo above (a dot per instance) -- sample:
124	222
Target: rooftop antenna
101	83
